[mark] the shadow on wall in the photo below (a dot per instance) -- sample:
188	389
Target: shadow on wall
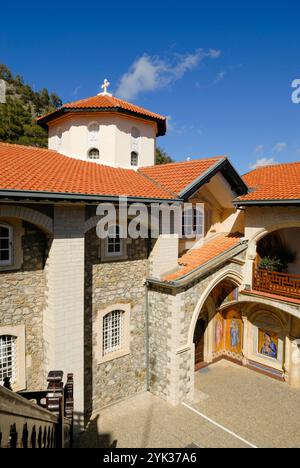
92	438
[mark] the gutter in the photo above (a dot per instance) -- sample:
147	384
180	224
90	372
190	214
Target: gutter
81	197
238	203
202	269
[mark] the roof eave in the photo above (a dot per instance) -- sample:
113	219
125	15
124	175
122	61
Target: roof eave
266	202
77	197
43	121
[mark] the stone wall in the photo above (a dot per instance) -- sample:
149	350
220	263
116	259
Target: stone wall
22	301
172	314
107	284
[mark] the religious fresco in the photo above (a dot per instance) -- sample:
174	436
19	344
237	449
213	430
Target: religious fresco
232	296
233	331
268	344
219	333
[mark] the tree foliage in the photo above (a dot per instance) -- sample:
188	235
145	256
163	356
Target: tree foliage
161	157
23	105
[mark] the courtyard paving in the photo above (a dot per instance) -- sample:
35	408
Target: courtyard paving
233	407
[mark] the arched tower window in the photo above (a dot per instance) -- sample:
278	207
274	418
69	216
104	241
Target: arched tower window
6	244
93	153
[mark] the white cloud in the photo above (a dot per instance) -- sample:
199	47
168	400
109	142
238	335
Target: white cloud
150	73
263	162
220	77
279	147
76	90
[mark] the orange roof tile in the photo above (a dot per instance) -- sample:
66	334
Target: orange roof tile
24	168
177	176
194	258
278	182
106	102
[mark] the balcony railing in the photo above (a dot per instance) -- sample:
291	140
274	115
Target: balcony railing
282	284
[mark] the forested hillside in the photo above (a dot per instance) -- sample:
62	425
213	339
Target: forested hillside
22	106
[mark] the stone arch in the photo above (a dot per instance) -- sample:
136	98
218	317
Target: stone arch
28	214
229	274
263	232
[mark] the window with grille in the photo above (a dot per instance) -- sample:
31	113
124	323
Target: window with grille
113	332
8	358
114	241
94	153
134	158
192	222
5	245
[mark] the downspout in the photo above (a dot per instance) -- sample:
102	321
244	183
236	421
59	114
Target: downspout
147	347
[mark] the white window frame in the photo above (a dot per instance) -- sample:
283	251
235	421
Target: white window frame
191	219
124	349
10	245
121	255
18	332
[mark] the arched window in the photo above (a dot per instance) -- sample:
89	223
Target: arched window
93	134
113	327
114	241
8	358
6	244
93	153
134	158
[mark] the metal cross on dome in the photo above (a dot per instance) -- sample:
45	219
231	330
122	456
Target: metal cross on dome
105	85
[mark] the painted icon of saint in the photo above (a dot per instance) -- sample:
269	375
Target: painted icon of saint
269	347
234	333
219	333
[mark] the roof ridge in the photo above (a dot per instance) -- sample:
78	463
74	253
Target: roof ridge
37	148
270	166
212	158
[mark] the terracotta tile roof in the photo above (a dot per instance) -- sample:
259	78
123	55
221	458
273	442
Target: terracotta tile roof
25	168
194	258
277	297
106	102
278	182
177	176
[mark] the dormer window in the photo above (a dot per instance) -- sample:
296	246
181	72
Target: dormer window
134	158
93	153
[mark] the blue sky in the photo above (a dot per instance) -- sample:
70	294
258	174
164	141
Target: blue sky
222	71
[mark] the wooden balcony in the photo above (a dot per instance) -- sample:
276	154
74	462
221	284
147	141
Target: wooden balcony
282	284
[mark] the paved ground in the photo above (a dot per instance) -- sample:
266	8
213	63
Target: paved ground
255	410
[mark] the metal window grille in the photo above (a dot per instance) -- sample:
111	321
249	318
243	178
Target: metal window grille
114	241
112	332
94	153
8	358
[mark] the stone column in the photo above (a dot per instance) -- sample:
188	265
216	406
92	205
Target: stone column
63	326
294	367
245	340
